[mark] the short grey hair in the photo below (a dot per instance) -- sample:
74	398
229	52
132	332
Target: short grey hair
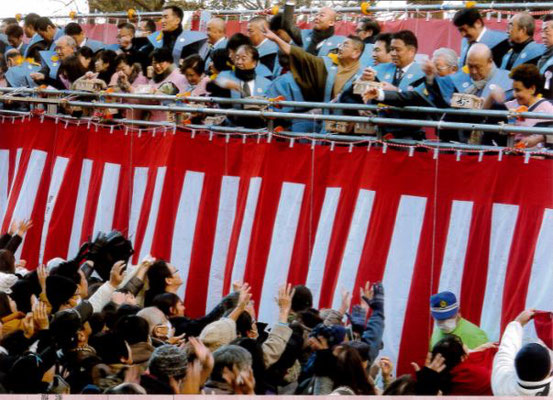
230	356
68	40
449	56
526	21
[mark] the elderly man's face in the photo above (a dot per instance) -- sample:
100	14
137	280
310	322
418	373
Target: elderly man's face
348	50
169	21
243	60
64	50
402	55
324	19
124	37
214	33
443	67
547	33
479	67
255	33
516	33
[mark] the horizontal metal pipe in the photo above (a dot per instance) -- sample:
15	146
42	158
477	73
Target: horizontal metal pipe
314	117
295	104
375	9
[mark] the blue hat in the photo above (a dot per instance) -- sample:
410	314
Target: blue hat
443	305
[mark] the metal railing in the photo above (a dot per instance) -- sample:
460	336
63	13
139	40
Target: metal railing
280	103
366	8
270	115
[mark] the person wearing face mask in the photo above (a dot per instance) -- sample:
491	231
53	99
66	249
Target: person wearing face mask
444	308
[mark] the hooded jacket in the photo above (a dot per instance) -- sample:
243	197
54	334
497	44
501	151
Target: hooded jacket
505	381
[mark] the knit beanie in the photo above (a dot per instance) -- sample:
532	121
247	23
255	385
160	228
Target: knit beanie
218	333
59	290
532	363
167	361
6	282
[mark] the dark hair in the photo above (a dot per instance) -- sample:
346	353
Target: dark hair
150	24
166	301
358	43
275	23
31	19
244	324
220	59
73	28
176	10
370	24
108	57
96	322
302	299
451	348
14	31
5	308
34	50
251	50
127	25
529	75
157	273
386	38
7	261
133	329
408	37
364	349
548	17
122	58
9	21
467	16
237	40
195	62
21	294
112	348
162	55
43	23
405	385
350	372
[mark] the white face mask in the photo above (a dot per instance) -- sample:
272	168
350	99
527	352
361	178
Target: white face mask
447	325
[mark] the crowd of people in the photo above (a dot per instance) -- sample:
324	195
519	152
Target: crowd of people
277	60
97	324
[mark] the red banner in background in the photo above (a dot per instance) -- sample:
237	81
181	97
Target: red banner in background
432	34
329	217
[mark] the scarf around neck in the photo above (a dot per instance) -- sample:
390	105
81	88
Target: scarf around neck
317	37
343	75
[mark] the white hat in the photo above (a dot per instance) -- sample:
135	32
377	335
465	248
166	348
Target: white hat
6	282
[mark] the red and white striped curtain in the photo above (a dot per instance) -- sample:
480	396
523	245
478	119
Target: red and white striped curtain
331	217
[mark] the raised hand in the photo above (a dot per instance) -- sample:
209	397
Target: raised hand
24	226
116	274
284	301
436	363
